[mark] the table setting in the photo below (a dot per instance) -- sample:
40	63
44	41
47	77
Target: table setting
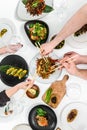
56	100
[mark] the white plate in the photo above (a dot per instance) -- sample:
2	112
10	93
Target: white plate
24	15
22	127
81	119
54	76
79	42
11	29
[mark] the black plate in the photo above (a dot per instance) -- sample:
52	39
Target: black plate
52	119
16	61
26	26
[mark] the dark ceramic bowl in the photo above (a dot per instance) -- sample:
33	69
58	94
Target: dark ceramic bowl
27	27
15	61
51	116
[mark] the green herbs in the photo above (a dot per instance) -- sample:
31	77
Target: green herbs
48	9
37	32
48	95
4	68
37	7
41	112
24	2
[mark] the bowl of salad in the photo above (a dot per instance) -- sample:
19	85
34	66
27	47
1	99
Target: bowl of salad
37	31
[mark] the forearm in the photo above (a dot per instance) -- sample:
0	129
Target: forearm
82	73
3	50
10	92
75	23
82	59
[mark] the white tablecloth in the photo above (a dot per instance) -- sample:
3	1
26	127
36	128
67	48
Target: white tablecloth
8	10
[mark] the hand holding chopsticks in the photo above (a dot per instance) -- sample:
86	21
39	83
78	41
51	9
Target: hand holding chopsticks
38	46
59	65
31	83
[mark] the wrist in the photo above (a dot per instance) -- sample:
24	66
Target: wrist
56	41
3	50
78	72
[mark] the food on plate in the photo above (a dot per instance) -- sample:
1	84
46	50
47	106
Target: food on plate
13	71
37	31
81	31
33	92
36	7
45	68
58	128
72	115
48	95
3	31
41	117
7	110
55	92
60	45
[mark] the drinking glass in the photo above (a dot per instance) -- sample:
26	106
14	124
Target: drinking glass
14	107
73	90
14	44
60	7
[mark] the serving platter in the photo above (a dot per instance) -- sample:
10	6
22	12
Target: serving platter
33	65
11	29
16	61
52	119
81	118
24	15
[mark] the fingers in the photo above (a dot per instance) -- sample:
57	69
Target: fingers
68	53
13	48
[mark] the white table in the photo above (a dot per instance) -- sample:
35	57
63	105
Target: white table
7	10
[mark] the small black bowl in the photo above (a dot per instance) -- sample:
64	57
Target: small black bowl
15	61
51	116
26	27
60	45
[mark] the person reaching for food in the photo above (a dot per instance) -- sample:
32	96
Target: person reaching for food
77	21
5	95
70	65
10	49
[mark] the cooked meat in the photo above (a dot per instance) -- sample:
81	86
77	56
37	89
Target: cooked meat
42	121
72	115
35	7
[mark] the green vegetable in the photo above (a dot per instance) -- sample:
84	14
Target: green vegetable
41	112
48	9
4	68
48	95
24	2
35	4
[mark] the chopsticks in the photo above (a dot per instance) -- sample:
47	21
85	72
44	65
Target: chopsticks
69	60
38	46
33	78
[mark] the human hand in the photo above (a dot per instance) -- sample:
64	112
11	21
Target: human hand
26	84
73	55
13	48
70	67
46	48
